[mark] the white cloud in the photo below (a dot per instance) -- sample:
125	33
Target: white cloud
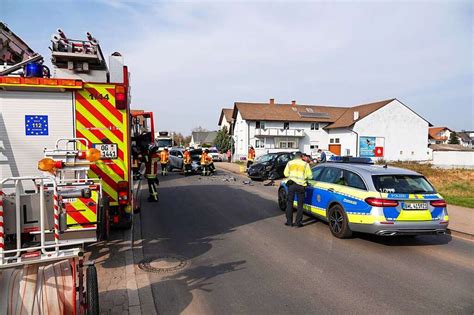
189	59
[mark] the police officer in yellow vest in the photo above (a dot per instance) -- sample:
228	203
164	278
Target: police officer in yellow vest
298	173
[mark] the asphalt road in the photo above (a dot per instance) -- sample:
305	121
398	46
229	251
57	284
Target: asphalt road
242	259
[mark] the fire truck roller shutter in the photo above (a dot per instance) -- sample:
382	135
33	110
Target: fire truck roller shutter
29	122
99	121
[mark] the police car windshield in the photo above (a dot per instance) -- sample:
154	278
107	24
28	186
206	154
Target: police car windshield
265	158
402	184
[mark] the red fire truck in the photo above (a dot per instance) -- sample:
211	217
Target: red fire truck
80	97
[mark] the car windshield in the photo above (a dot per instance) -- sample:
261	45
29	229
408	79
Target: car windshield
265	158
213	151
402	184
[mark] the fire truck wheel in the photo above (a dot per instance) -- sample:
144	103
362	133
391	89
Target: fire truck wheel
92	291
103	226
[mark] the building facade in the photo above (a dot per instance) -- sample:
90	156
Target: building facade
386	129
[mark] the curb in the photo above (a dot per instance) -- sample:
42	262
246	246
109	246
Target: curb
135	294
462	235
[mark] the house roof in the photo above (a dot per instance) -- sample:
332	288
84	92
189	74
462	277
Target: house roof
204	136
287	112
337	116
433	133
227	114
347	118
464	136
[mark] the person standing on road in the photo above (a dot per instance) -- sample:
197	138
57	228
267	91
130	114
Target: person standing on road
187	162
250	157
151	163
205	162
322	158
298	173
164	160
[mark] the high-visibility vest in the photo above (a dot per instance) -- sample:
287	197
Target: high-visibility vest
298	171
164	157
152	165
251	155
187	158
204	160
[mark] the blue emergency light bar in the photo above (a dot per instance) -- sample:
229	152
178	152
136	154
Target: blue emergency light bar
350	159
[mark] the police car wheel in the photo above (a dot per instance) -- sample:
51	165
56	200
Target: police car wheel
338	222
282	199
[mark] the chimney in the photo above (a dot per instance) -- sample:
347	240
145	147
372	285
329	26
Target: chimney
272	101
356	115
293	103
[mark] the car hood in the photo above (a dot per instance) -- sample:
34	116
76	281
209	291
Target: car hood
259	166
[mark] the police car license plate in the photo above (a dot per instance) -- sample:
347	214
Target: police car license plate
107	151
415	205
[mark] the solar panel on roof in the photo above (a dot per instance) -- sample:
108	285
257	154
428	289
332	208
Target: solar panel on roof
313	115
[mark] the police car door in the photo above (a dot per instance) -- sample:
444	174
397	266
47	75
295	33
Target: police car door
313	195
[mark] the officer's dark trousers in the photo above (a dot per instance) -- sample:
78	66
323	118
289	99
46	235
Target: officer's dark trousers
299	191
152	182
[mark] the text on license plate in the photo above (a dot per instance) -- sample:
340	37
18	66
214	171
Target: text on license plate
107	151
415	205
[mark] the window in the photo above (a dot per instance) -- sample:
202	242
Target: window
282	159
402	184
333	176
353	180
348	152
286	143
314	126
259	144
336	140
331	140
313	146
286	125
260	125
317	171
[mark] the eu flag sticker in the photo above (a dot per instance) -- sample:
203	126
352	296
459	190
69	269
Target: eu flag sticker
36	125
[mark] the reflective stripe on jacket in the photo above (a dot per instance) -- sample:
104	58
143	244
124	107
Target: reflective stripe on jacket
204	160
251	155
186	158
164	156
152	165
298	171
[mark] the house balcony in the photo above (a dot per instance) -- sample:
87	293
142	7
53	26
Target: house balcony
279	132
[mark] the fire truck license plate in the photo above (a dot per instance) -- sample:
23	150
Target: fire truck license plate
107	151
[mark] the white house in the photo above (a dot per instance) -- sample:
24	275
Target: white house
225	120
386	129
439	135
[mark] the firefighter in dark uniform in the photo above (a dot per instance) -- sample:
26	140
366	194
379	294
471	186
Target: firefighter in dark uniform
152	159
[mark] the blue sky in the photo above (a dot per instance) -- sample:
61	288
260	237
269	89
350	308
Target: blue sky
190	59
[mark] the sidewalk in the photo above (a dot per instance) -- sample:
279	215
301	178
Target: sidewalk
461	219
